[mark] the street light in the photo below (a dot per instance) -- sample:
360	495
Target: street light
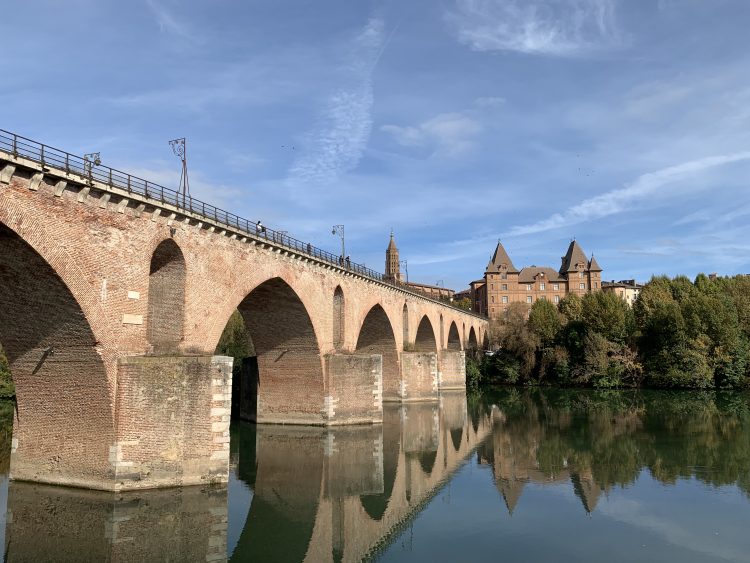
89	161
339	230
406	268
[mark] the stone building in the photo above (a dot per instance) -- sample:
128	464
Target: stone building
393	275
626	289
504	284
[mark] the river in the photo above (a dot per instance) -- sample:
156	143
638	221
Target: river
511	475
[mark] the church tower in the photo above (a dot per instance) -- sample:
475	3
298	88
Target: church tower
392	266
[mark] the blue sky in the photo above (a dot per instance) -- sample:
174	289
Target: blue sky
623	123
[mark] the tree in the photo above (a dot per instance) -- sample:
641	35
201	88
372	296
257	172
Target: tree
464	304
571	307
7	388
607	314
544	322
235	340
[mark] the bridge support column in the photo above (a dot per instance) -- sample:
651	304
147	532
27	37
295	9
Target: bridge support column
420	379
452	369
172	422
354	389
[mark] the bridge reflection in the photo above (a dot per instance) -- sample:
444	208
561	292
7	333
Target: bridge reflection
339	494
296	494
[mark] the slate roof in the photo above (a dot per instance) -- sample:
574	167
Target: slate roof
594	265
574	255
501	257
527	275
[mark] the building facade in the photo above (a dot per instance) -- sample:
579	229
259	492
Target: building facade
504	284
628	290
393	275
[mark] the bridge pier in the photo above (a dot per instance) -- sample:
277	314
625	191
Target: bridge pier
171	428
420	378
352	394
452	370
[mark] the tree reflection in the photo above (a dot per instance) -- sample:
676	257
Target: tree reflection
598	440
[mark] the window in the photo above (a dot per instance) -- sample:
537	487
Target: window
581	286
504	277
596	285
493	298
557	298
541	286
505	298
556	286
528	287
492	286
580	275
528	299
505	287
493	309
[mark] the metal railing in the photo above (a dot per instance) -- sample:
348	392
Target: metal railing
51	157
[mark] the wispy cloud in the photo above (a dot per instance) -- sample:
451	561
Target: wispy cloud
338	142
451	134
168	22
620	200
544	27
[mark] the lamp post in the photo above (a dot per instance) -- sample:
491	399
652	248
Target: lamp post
406	268
339	230
89	161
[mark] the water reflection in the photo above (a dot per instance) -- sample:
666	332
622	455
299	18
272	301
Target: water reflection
596	441
348	493
339	494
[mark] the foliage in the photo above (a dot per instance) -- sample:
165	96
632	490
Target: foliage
679	334
464	304
7	388
235	340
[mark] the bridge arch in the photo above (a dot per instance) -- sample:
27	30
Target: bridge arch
376	336
454	340
166	297
290	370
339	318
425	340
472	343
63	395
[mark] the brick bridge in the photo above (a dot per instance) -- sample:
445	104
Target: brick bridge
114	293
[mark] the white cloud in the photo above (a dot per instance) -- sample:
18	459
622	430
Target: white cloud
490	101
545	27
339	141
616	201
450	134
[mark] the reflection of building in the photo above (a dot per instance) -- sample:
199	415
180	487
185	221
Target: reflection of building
626	289
393	274
514	457
504	284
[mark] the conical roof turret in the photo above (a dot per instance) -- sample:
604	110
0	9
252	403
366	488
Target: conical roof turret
594	265
574	256
499	259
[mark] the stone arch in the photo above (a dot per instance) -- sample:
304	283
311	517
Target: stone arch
290	371
425	340
405	320
485	341
376	336
63	397
339	318
442	332
454	340
472	343
166	297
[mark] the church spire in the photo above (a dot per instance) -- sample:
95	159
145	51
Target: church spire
392	264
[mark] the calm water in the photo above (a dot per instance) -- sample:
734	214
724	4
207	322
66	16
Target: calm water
513	476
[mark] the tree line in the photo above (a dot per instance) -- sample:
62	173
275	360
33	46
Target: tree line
678	334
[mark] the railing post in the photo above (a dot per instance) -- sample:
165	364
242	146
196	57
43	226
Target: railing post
146	188
41	153
67	163
15	144
129	189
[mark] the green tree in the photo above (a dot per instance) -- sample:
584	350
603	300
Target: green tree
571	307
464	304
7	388
235	340
545	322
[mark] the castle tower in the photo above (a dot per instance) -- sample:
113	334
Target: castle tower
392	265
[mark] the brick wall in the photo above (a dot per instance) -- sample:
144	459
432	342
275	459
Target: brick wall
452	369
420	378
376	337
354	389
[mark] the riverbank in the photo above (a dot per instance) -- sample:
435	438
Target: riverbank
680	334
